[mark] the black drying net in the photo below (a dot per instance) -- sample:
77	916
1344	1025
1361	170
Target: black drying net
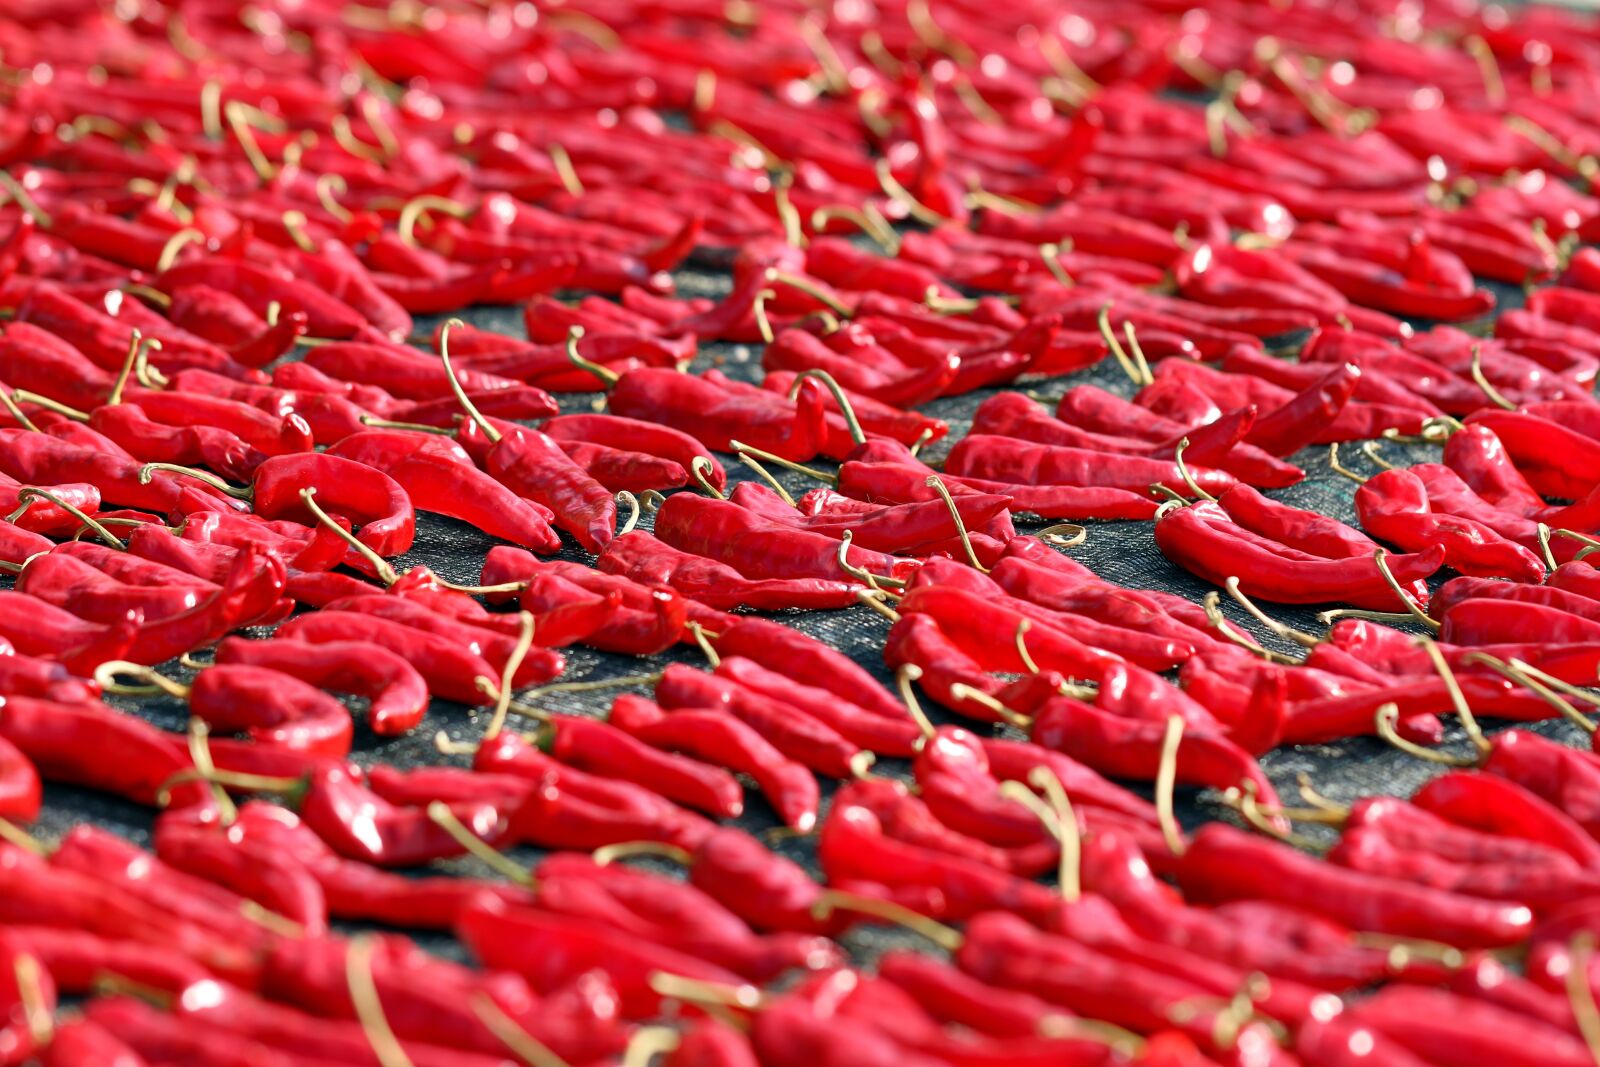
1123	552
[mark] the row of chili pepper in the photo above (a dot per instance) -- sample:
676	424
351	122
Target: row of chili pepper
229	248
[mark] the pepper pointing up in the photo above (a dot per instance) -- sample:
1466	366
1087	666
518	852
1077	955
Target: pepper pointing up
533	466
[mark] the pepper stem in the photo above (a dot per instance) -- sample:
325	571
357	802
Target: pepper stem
1243	800
414	427
1309	794
606	375
1458	699
29	977
676	986
446	820
1183	471
759	310
368	1005
857	435
942	305
1580	993
455	383
17	413
1166	782
31	493
903	677
632	501
328	188
1051	253
922	438
1212	604
1288	633
1370	450
386	573
935	483
1021	640
765	475
873	598
1550	696
1495	396
739	447
811	289
1009	716
604	683
505	1029
502	704
1385	721
25	200
1137	350
246	783
1340	468
1544	546
861	574
794	231
23	396
200	756
134	344
14	835
418	206
1381	558
700	468
831	900
105	676
899	194
700	639
1555	683
148	471
1114	346
648	1043
867	219
627	849
1063	535
175	244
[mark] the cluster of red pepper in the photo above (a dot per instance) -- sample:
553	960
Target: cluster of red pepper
218	223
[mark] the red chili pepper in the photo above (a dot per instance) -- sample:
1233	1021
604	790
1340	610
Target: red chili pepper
1224	864
205	849
724	741
396	691
1203	539
1002	459
798	737
438	476
511	937
1394	505
1409	1015
642	558
716	415
259	287
345	487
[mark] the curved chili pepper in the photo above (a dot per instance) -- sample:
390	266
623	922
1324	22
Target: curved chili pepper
799	737
150	441
725	742
208	850
1394	505
440	477
716	416
396	691
449	667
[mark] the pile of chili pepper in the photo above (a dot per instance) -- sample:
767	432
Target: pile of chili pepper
233	243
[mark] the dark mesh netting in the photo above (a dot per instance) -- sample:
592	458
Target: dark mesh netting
1123	552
